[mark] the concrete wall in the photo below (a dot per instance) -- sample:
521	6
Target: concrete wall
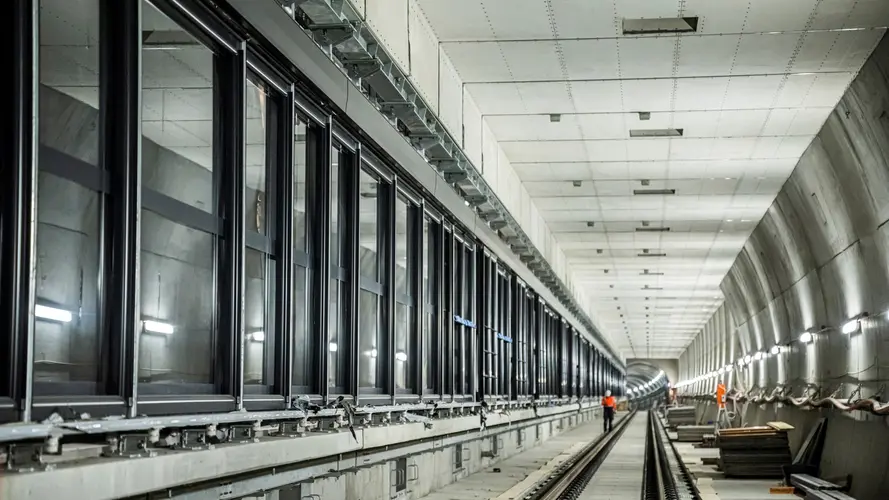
819	257
428	472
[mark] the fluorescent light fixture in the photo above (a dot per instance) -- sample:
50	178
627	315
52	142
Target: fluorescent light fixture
776	349
258	336
52	313
656	26
851	326
656	132
653	192
332	346
401	356
157	327
806	337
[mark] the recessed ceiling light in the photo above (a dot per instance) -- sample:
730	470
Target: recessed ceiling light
663	192
654	26
655	132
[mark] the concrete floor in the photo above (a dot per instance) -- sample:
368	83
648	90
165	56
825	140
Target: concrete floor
714	486
620	476
522	471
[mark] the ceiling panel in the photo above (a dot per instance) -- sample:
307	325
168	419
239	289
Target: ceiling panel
749	91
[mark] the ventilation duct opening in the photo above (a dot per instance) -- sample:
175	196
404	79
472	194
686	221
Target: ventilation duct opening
656	132
646	273
653	26
651	255
652	229
642	192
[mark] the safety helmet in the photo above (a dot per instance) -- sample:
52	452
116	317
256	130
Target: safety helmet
607	393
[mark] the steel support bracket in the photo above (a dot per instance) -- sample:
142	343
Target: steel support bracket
128	446
26	457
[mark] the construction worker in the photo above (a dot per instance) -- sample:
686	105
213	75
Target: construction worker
720	395
722	420
608	405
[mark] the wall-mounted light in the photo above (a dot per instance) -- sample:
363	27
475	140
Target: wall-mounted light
853	325
775	350
332	347
757	355
52	314
157	327
748	359
806	337
721	370
373	353
258	336
729	368
401	356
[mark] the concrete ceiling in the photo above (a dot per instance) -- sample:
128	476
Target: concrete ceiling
749	89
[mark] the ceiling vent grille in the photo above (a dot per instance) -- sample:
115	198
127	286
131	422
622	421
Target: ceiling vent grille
642	192
658	26
651	254
646	273
652	229
656	132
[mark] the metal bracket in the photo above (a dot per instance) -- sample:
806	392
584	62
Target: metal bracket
128	446
26	457
241	434
194	439
291	429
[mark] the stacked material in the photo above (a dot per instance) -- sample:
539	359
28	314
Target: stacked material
754	452
816	488
693	433
681	415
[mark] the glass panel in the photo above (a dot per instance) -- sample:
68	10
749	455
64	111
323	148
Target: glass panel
69	77
337	345
370	347
369	221
178	304
177	112
299	185
66	322
302	351
429	311
259	313
402	267
258	208
403	347
335	221
67	325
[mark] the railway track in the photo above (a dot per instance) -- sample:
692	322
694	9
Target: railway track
635	460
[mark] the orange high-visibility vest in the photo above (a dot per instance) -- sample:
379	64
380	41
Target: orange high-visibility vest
720	395
608	401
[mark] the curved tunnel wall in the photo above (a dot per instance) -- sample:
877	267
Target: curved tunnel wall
819	257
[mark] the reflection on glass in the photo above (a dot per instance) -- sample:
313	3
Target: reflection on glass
369	344
257	209
299	185
301	348
335	222
177	283
368	214
337	346
429	301
402	268
66	325
177	112
259	341
403	346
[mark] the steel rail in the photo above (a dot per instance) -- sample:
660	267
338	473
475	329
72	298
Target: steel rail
569	480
